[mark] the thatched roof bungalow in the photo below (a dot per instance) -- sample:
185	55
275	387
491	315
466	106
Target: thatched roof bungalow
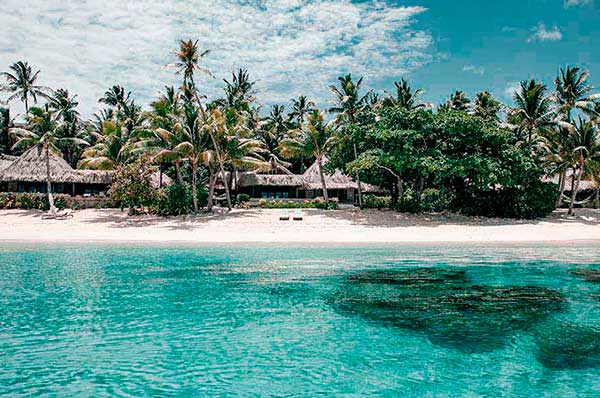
27	173
301	186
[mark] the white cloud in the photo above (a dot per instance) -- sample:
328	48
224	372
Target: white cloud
511	89
541	33
478	70
578	3
291	47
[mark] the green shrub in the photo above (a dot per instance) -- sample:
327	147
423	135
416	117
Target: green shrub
435	200
534	201
376	202
174	200
39	201
242	198
307	204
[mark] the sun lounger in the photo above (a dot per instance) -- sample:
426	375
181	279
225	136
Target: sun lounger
284	215
58	215
298	215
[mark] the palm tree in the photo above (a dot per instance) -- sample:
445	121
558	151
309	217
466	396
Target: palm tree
274	129
301	107
533	109
314	139
21	83
405	98
349	103
42	130
113	147
240	92
573	92
585	153
194	143
65	108
116	97
188	61
459	101
487	107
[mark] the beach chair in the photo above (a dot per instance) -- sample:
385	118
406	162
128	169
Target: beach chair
284	215
298	215
61	215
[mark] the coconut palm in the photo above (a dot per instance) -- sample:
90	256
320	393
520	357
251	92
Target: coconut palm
116	97
240	91
21	83
573	92
349	103
65	108
532	111
114	146
585	143
41	130
314	139
404	98
274	129
459	101
188	59
487	107
301	107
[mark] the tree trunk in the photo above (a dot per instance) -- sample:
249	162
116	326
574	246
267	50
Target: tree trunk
211	190
325	195
358	179
400	188
26	105
48	181
195	186
178	172
222	167
574	191
597	198
561	188
420	188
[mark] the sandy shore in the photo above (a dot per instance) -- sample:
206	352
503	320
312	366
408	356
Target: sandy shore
341	226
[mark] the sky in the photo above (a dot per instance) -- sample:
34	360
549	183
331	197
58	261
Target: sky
295	47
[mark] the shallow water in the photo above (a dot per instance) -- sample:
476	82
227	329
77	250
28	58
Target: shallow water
410	321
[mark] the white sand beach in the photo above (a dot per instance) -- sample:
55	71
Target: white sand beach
261	225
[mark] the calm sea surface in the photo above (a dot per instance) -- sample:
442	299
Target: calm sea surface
402	321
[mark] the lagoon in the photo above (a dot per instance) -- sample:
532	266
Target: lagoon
295	321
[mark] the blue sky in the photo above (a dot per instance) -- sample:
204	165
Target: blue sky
295	47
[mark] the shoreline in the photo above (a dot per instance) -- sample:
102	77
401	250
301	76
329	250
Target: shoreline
326	228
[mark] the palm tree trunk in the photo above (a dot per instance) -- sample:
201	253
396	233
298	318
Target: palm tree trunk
178	172
222	167
358	179
48	180
574	191
325	195
195	186
26	105
561	187
212	180
597	198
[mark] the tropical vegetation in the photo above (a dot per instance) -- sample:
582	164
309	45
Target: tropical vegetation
476	156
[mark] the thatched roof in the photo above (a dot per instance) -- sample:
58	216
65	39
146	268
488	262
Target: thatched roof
31	167
279	180
309	180
104	177
6	160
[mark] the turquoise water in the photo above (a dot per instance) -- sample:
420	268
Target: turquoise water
299	322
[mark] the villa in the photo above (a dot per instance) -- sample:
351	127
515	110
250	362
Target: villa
282	184
27	173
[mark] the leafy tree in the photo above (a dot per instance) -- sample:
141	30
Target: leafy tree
132	185
115	146
301	108
4	127
573	92
21	82
65	108
188	61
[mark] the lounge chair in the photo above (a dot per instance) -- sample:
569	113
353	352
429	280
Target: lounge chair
298	215
284	215
58	215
